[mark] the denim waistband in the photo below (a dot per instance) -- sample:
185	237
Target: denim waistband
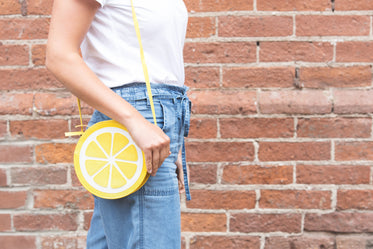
138	89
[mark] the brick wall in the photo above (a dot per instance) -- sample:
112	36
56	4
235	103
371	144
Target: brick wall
281	142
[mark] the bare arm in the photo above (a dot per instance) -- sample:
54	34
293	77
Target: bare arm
70	22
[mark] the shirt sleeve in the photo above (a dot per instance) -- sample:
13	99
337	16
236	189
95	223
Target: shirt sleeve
101	2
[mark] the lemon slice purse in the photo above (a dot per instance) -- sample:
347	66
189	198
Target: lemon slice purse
107	161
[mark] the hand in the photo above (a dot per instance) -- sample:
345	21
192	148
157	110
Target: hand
180	173
152	141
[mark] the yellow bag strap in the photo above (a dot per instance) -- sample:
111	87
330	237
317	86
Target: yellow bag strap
146	75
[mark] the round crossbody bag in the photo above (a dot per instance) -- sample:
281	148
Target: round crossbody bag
107	161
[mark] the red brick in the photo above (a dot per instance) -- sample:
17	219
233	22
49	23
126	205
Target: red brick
337	25
294	5
54	153
220	52
218	5
203	173
39	7
333	174
67	199
28	79
202	77
74	179
15	154
353	101
183	243
295	102
24	29
87	220
354	51
200	27
16	103
59	242
254	174
255	26
355	199
334	127
353	242
339	222
300	242
3	129
5	224
258	77
203	128
3	178
39	176
296	51
253	127
215	199
42	129
12	199
220	151
325	77
294	151
13	55
199	222
38	54
351	151
265	223
49	104
17	242
223	102
353	5
10	7
45	222
224	242
295	199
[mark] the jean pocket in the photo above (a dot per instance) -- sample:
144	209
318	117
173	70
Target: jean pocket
144	108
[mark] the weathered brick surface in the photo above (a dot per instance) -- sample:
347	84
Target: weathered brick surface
354	199
236	26
13	55
337	25
12	199
339	222
300	242
334	127
18	241
68	199
266	223
295	102
295	199
212	199
220	242
296	51
294	5
42	129
45	222
250	77
280	144
332	174
289	151
257	174
325	77
199	222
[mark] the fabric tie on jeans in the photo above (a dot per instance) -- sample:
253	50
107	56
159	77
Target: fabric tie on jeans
186	105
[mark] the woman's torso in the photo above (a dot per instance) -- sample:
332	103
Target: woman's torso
111	48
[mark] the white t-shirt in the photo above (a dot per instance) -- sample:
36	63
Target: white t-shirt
111	48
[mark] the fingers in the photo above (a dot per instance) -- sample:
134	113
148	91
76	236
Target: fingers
149	160
156	154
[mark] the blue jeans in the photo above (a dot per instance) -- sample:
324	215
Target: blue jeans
150	217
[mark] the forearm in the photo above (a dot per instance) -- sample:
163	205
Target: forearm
70	69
